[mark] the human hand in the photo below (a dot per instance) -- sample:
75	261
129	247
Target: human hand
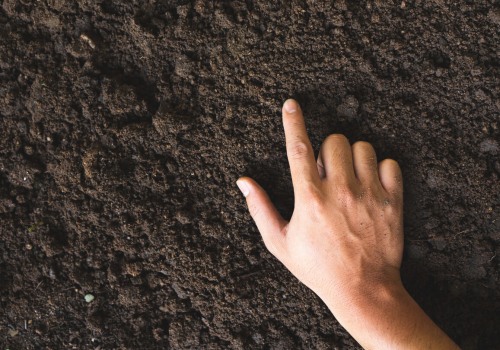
345	237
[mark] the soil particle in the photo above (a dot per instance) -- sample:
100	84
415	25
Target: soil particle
185	332
439	243
348	108
489	146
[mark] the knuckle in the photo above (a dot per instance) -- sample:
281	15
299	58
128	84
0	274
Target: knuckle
393	169
335	138
298	150
254	210
391	164
396	199
347	195
392	207
365	153
363	146
315	196
390	161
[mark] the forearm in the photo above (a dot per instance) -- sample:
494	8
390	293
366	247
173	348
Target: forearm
389	318
346	236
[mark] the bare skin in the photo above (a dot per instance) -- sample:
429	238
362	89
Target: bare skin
345	238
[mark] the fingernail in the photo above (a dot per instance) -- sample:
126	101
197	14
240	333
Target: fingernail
290	106
243	186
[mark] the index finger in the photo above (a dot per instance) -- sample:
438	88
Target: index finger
298	147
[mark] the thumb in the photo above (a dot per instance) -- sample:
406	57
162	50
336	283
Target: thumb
269	222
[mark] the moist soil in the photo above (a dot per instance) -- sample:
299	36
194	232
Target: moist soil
124	126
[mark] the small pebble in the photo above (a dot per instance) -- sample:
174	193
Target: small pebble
89	298
88	40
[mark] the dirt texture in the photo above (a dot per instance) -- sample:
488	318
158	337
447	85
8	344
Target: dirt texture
124	125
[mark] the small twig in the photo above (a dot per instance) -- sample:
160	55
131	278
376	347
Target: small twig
464	231
38	285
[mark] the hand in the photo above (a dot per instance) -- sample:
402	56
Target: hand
346	231
345	237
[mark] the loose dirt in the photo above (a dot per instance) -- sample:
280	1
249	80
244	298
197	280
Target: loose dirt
124	125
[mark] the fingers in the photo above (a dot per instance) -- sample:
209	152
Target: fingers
337	159
365	163
299	150
269	222
391	177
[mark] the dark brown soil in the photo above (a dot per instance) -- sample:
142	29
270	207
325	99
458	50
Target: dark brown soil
124	125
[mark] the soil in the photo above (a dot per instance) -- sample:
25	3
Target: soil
124	126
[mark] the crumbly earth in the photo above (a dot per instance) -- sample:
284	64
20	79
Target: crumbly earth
124	125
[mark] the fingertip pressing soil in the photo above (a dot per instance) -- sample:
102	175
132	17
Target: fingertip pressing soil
124	126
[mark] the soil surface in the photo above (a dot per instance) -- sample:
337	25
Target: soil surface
124	125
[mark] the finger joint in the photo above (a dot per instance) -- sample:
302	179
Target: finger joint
298	150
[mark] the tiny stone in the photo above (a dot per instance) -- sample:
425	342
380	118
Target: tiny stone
28	150
88	40
179	291
13	332
29	246
164	309
89	298
182	217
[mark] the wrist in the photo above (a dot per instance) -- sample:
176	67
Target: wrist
371	312
358	292
384	315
